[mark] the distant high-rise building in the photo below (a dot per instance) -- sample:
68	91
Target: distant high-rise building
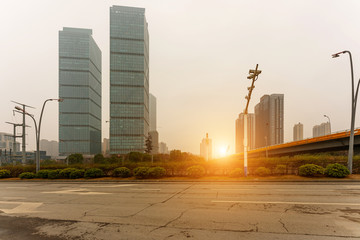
7	143
129	79
239	132
155	142
206	148
50	147
321	130
163	148
298	132
153	131
152	113
80	87
269	120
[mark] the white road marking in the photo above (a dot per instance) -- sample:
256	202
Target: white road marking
112	186
15	187
291	203
145	189
279	190
24	207
13	198
80	191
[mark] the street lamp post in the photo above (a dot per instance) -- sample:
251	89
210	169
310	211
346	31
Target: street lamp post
37	129
254	74
329	121
354	96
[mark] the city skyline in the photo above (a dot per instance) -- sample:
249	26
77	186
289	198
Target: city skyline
196	88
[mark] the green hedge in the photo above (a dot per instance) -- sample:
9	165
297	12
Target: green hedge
196	171
262	172
141	172
336	170
122	172
93	173
311	170
5	173
77	173
237	172
156	172
27	175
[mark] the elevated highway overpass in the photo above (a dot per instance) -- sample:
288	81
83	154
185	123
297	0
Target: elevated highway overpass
334	142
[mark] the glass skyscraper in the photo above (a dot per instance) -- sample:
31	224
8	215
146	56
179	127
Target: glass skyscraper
129	79
80	87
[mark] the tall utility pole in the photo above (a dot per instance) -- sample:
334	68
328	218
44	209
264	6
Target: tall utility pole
23	145
14	136
254	74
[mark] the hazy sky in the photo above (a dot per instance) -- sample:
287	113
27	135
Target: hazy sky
200	54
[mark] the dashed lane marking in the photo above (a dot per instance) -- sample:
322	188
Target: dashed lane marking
290	203
24	207
80	191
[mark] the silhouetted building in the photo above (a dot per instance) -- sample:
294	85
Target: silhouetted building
206	148
80	87
239	132
321	130
155	141
269	120
163	148
6	143
298	132
129	80
50	147
153	131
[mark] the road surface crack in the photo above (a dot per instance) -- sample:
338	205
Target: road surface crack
171	221
283	225
177	193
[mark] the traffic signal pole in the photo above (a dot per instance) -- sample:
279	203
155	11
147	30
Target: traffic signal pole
253	76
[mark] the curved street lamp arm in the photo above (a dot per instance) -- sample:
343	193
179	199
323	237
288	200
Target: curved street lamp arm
356	95
41	114
36	129
352	74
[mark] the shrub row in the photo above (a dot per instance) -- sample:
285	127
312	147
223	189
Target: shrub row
195	171
335	170
67	173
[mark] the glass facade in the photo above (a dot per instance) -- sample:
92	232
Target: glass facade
80	87
129	79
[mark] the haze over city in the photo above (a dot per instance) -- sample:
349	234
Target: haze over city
200	54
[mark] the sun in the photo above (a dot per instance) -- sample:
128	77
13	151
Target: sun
223	151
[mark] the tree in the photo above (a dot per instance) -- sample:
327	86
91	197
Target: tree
75	158
135	156
99	158
175	155
148	144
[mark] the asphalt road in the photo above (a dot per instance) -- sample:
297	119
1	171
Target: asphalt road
58	210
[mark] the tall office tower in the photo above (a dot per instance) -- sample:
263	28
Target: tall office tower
206	148
239	132
298	131
269	120
129	80
321	130
80	87
152	126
